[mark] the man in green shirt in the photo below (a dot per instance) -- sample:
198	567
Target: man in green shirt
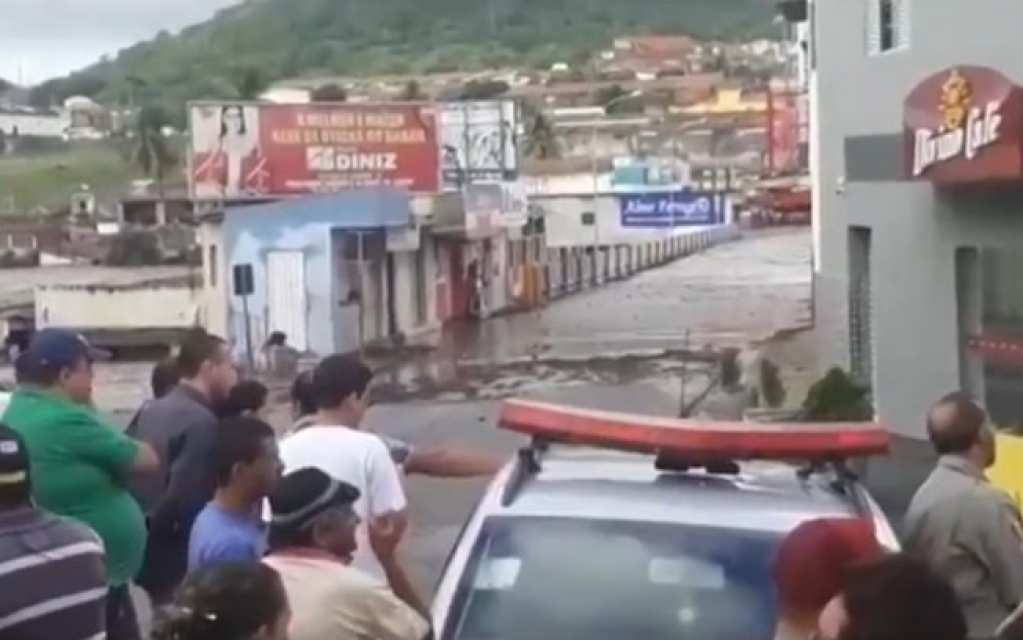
81	462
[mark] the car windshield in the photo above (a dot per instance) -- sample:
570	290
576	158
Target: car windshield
572	579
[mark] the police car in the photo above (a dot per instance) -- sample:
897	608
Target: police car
619	527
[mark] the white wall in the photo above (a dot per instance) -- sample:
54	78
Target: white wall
405	288
160	307
215	279
564	227
34	125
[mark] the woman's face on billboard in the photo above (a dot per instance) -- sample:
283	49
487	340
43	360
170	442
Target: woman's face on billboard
232	119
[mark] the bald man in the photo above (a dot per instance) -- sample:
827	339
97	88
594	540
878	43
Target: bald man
966	530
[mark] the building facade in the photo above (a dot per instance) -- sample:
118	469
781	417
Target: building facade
917	158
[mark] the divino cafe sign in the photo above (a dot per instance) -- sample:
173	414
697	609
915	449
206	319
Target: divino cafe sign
963	125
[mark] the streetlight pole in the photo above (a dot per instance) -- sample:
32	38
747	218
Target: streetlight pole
595	248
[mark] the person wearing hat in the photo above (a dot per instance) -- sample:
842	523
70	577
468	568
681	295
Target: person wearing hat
311	541
337	445
52	579
81	462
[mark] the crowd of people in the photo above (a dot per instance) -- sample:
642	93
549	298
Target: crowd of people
198	480
236	533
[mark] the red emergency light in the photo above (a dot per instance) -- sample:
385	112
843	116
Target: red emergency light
701	440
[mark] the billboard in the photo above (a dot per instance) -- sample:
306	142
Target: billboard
248	150
667	209
478	142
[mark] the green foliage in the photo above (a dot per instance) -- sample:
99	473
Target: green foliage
328	93
730	370
150	150
50	175
836	397
287	38
483	89
541	139
133	249
606	95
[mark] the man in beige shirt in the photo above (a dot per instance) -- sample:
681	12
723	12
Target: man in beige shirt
311	540
967	531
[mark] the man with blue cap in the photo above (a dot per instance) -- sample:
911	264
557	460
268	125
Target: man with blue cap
80	461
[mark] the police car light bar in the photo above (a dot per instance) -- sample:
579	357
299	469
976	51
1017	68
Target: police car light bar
701	440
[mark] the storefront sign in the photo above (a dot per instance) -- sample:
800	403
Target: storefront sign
962	125
679	208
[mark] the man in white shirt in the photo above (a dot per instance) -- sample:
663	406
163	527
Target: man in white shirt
311	538
334	444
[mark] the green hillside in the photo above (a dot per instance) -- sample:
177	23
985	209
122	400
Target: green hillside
286	38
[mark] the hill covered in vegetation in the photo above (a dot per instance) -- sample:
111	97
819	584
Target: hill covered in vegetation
287	38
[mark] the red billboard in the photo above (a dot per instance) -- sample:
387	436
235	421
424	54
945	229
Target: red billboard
247	150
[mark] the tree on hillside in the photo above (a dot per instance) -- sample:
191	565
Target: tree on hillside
150	151
606	95
5	85
483	89
541	139
328	93
411	92
248	83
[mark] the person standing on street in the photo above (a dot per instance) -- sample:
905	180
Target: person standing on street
811	567
181	426
436	461
968	532
229	528
311	541
52	580
81	462
336	445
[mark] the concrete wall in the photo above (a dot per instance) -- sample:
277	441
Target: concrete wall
856	157
406	285
130	307
304	225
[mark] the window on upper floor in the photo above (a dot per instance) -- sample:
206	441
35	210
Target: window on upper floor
888	25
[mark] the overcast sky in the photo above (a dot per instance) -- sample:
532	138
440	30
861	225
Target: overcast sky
40	39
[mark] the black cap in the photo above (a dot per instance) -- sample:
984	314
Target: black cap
14	464
304	494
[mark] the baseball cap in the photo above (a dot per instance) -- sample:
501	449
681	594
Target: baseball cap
56	349
304	494
814	560
14	464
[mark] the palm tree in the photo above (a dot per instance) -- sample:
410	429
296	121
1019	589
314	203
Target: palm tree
150	151
541	140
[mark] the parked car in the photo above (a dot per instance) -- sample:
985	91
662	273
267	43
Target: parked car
610	526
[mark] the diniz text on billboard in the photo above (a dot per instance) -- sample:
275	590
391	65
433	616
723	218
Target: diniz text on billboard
666	209
244	150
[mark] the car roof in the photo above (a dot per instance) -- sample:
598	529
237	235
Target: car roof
581	482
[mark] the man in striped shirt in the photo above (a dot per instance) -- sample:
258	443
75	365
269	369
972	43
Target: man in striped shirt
52	578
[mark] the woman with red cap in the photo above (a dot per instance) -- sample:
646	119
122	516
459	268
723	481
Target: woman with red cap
811	567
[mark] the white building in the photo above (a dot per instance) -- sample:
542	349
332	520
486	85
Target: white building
917	155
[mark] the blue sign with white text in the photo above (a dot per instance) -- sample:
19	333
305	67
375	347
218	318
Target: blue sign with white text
660	209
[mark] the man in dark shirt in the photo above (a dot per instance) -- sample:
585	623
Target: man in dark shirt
181	427
52	578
